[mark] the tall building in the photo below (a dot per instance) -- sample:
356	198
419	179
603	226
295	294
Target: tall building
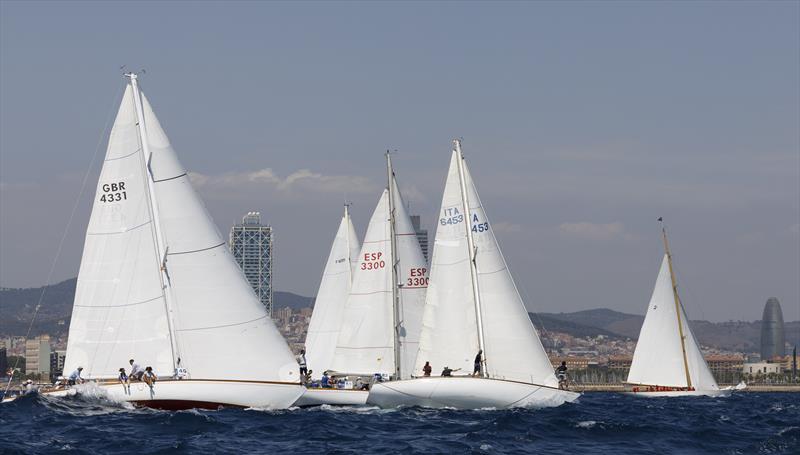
251	244
57	364
37	355
3	362
422	236
772	341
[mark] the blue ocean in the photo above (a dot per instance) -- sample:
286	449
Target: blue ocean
747	423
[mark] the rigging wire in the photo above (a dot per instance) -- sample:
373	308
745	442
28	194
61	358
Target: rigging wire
103	135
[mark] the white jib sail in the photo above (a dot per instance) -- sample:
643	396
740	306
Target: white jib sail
412	274
658	358
119	309
326	320
449	334
366	339
220	329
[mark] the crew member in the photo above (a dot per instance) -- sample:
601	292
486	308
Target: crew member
426	370
301	359
75	377
476	371
136	371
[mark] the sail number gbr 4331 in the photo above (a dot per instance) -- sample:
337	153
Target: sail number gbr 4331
113	192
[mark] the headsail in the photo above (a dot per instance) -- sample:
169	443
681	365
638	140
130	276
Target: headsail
323	329
450	333
119	309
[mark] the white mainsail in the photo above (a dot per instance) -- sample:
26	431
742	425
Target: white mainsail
326	320
189	306
658	358
450	332
366	343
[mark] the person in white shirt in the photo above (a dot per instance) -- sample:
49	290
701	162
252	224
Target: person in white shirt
75	377
301	359
136	371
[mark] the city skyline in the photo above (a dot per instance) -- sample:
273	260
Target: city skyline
577	145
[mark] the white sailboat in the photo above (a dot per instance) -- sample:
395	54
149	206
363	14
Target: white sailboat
157	284
472	304
667	360
382	316
326	320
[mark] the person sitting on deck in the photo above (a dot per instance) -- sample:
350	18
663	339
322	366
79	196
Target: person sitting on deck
476	371
426	370
324	382
75	377
149	377
447	372
136	371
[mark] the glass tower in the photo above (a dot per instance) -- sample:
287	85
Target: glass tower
251	244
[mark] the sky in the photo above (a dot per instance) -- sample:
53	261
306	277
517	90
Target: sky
582	123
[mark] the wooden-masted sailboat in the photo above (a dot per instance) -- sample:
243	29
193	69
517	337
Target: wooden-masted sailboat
157	284
667	360
381	320
473	306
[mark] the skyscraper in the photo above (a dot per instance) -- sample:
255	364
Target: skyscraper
422	236
772	341
251	244
37	355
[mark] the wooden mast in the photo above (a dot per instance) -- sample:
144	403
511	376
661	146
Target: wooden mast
677	304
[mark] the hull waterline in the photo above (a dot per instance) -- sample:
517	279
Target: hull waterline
466	393
334	397
192	394
682	393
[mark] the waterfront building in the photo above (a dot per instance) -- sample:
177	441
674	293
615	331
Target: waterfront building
620	362
722	364
763	368
422	236
37	355
252	246
772	340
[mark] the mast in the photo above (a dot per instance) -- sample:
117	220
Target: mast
347	240
395	265
472	255
677	303
161	248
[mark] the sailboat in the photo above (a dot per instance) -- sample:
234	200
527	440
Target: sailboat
473	305
326	319
157	284
667	361
381	322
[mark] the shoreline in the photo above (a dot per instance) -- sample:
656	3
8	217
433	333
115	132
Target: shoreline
600	388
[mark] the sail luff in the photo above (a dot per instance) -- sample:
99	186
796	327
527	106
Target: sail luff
395	264
160	243
677	307
471	254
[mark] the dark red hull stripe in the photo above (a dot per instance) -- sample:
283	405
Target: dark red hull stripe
182	405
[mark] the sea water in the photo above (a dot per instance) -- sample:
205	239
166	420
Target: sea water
598	423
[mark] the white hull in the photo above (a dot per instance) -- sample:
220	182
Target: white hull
466	393
189	394
683	393
336	397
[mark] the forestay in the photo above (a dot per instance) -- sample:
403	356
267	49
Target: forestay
450	334
658	358
323	329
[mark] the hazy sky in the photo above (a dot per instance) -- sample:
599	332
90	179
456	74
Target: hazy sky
582	123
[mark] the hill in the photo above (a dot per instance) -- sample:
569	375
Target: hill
17	307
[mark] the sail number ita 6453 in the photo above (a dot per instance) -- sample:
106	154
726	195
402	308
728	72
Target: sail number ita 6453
113	192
